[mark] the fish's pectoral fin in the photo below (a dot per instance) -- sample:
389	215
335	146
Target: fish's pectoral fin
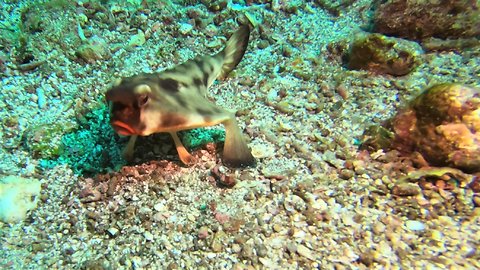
129	148
235	150
234	50
184	155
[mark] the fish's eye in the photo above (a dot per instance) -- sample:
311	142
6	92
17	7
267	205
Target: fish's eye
142	100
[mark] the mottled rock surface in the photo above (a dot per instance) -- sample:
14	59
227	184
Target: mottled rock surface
384	55
443	124
420	19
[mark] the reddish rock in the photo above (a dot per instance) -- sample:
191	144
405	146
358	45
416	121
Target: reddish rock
443	124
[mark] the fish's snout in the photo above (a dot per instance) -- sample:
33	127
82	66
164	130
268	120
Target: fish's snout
122	128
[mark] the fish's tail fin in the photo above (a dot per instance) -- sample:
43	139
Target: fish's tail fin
234	50
236	153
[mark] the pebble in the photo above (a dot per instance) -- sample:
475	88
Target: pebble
366	258
476	200
112	231
203	232
436	235
41	101
415	225
406	189
137	40
148	236
305	252
378	228
185	28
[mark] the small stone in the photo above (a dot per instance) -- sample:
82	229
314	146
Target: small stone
475	184
476	200
38	247
305	252
112	231
262	250
137	40
262	44
415	225
247	252
185	28
346	174
406	189
148	236
159	207
378	228
217	243
436	235
291	247
203	232
227	181
366	258
277	227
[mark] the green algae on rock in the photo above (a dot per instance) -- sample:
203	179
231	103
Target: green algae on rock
45	140
384	55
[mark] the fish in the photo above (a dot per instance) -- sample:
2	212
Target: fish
176	99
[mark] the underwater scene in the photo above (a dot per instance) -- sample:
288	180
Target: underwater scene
240	134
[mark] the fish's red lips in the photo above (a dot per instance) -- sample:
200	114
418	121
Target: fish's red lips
122	128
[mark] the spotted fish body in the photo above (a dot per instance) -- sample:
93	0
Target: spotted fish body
176	99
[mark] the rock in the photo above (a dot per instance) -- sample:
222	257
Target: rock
95	49
137	40
436	44
406	189
203	232
148	236
305	252
185	28
418	19
475	183
384	55
476	200
367	258
112	231
376	137
443	124
18	196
